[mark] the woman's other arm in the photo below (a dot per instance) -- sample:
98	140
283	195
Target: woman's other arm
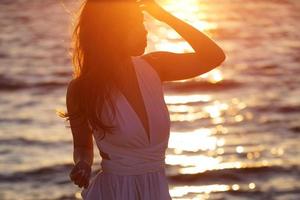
82	140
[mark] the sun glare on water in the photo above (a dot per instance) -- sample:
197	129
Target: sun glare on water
190	11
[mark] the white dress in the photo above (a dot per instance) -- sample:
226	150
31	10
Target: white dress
135	167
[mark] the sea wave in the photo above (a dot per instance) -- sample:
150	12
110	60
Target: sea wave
28	142
234	174
8	84
202	85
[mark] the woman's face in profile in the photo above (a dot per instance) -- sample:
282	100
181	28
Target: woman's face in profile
137	36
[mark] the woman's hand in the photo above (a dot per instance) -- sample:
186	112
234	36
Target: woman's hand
80	174
152	8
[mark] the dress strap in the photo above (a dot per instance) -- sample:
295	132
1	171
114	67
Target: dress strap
148	69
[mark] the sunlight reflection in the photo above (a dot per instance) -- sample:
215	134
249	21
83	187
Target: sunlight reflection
221	129
180	191
213	76
216	109
204	163
178	47
167	39
277	151
217	165
220	151
238	103
187	117
77	195
184	99
190	11
239	149
235	187
253	155
252	186
204	191
199	139
191	6
181	108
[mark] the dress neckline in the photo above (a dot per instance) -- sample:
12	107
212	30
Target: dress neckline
141	91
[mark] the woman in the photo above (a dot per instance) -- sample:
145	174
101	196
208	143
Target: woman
111	72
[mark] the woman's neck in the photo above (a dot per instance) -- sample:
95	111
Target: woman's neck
125	72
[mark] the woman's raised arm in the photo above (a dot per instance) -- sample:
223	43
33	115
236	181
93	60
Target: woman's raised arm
175	66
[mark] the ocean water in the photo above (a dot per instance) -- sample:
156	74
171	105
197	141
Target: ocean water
234	131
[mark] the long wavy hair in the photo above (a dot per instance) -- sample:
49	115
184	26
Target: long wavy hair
99	49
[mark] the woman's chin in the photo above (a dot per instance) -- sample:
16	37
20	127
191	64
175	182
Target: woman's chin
139	52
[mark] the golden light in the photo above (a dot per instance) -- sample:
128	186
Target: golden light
220	151
187	117
213	76
181	108
199	139
252	186
180	191
179	47
183	112
165	38
184	99
239	149
78	195
190	11
203	163
235	187
238	118
221	129
216	109
277	151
